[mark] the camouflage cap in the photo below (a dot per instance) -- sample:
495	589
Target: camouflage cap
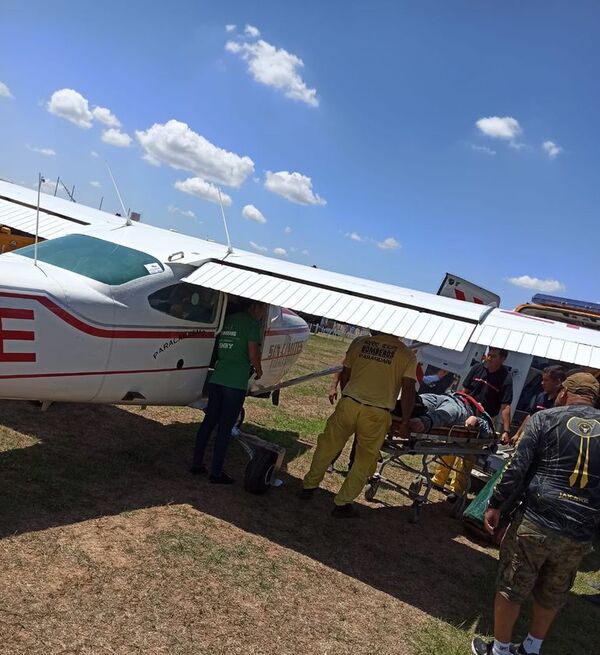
582	384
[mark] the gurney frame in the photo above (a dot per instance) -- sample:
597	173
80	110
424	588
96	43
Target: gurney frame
454	441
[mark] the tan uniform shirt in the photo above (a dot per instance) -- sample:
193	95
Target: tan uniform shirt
378	365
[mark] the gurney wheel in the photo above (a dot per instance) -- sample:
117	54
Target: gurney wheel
371	490
414	488
415	513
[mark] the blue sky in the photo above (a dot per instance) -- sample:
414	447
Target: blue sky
394	140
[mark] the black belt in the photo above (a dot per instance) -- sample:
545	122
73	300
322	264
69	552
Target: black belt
385	409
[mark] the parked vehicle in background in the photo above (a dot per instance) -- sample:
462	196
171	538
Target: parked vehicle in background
11	239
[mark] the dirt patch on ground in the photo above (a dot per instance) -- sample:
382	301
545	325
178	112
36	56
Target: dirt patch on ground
109	545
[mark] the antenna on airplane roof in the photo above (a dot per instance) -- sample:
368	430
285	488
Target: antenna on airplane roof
125	212
229	248
37	219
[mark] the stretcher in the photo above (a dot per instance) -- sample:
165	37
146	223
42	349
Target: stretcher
399	452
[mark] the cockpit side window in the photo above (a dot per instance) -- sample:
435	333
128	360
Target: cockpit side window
97	259
186	301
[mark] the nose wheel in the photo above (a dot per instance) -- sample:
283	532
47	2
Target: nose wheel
260	472
265	460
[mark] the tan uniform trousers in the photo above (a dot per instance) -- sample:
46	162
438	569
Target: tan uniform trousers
460	467
370	424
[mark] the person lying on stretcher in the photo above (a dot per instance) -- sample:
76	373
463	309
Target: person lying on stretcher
446	410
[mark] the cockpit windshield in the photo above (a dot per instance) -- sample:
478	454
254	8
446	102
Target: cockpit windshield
97	259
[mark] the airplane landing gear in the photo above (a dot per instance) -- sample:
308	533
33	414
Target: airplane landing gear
265	461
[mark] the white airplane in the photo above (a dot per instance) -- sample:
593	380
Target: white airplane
109	310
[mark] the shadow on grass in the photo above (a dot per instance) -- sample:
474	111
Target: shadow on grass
286	438
94	461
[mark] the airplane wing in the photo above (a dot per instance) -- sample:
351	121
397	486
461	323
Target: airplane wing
423	317
18	209
540	337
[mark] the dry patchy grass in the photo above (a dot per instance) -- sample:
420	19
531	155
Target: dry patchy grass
109	546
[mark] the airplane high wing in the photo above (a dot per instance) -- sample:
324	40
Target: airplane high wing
423	317
18	210
540	337
415	315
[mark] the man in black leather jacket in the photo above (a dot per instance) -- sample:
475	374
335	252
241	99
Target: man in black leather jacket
555	473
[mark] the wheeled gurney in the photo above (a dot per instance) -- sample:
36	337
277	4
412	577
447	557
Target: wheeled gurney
430	447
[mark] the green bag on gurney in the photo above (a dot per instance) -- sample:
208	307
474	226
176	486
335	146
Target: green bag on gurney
476	509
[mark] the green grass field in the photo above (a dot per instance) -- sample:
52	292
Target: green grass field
110	546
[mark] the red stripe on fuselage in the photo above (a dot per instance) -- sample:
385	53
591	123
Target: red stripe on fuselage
282	331
106	333
88	373
15	335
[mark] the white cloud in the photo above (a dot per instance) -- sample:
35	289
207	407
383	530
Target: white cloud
293	186
551	149
275	67
230	28
280	252
105	116
196	186
5	91
115	137
42	151
546	286
252	214
96	184
288	230
48	186
93	153
355	237
516	145
258	248
72	106
388	244
485	149
175	144
188	213
251	31
499	128
305	253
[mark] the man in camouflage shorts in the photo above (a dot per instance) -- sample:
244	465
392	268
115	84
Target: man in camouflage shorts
539	561
555	472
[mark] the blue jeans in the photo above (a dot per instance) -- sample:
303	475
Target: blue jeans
445	410
224	407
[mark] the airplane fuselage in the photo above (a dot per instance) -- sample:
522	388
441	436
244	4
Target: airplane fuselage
65	336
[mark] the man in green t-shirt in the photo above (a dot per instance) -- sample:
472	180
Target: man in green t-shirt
237	351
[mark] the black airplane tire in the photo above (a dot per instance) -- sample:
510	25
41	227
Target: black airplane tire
259	471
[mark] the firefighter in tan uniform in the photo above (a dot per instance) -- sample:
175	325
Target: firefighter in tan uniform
375	369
